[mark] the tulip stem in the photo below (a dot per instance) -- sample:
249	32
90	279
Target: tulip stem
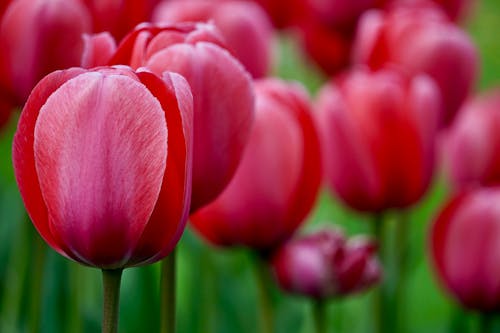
167	293
319	315
266	307
382	300
400	269
486	323
111	279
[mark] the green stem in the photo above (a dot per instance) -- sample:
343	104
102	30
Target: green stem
319	316
486	323
401	269
380	299
111	279
167	294
266	307
39	255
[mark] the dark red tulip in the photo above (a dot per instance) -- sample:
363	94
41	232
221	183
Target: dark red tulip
283	13
465	247
36	38
325	264
378	131
420	39
103	162
119	16
245	27
276	183
472	144
222	94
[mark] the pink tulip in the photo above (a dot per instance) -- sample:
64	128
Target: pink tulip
36	38
244	26
119	16
276	183
420	39
378	131
103	163
222	94
471	145
325	264
465	247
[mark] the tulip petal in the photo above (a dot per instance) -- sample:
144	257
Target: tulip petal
100	153
170	214
24	157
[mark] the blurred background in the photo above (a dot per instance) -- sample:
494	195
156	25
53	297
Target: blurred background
216	287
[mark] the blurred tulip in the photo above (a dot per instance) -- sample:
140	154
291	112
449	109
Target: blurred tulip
245	27
420	39
456	9
119	17
98	49
222	94
36	38
325	264
282	13
378	131
276	183
465	247
471	145
90	158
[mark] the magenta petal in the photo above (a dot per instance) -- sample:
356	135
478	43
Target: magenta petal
23	155
100	153
98	49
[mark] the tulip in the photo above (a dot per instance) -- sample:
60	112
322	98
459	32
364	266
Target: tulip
245	27
90	158
277	181
222	94
465	245
419	39
282	13
326	265
472	143
378	131
36	38
119	16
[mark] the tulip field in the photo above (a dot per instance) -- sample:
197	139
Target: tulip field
270	166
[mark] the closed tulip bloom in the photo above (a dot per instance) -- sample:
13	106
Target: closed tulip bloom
420	39
378	131
103	162
245	27
325	264
276	183
119	16
283	13
471	145
36	38
465	247
222	94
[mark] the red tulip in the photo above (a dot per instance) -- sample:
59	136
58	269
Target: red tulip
456	9
465	247
98	49
222	94
36	38
276	183
419	39
378	132
245	27
471	145
325	264
119	16
282	13
102	159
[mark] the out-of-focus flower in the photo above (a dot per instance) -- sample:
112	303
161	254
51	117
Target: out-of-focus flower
283	13
472	144
36	38
378	136
103	163
222	93
465	247
420	39
119	16
245	27
324	264
277	181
